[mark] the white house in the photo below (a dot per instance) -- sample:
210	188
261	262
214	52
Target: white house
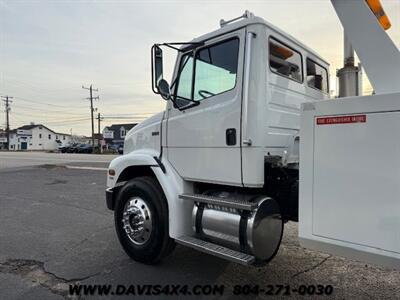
3	139
37	137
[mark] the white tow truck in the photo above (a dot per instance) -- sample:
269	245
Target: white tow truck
248	121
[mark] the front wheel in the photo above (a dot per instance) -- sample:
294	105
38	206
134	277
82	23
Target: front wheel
141	220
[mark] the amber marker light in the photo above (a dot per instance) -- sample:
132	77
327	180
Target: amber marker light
377	9
279	51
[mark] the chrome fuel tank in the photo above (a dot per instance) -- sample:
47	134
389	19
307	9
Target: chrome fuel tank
257	232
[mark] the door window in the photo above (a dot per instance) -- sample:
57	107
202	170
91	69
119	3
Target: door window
215	70
317	76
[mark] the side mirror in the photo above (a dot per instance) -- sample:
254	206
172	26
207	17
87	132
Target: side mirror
156	67
164	90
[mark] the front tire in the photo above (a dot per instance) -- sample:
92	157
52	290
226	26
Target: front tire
141	220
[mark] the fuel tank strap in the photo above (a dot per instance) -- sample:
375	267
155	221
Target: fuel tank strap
243	231
199	216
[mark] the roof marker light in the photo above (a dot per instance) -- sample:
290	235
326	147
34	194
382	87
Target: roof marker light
377	9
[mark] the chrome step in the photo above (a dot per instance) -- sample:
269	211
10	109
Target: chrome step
216	250
228	202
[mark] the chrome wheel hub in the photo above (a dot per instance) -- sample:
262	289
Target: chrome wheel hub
136	220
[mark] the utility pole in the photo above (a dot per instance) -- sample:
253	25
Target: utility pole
91	98
99	119
7	101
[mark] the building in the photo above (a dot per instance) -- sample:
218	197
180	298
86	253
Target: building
37	137
3	139
81	139
114	135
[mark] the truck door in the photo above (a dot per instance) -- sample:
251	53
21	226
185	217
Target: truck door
203	141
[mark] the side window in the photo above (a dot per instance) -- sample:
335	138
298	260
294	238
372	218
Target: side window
317	76
285	61
184	88
215	71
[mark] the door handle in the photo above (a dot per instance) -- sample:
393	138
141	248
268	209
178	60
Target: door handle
231	136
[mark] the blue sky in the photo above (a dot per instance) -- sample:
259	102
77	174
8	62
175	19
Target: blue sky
49	49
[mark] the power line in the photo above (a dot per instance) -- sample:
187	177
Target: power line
53	119
91	98
138	114
124	118
67	122
44	103
40	110
7	101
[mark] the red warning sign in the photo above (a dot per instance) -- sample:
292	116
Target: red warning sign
341	120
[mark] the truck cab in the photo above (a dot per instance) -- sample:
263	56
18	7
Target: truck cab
224	154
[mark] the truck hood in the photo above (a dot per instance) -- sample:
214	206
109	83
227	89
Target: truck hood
141	136
146	123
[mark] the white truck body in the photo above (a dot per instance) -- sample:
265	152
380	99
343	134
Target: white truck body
225	152
347	206
349	179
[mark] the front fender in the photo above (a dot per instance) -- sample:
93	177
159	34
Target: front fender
180	211
134	158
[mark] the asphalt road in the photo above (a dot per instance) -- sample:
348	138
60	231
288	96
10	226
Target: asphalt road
25	159
55	230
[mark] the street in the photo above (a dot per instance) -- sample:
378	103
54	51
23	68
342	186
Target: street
55	230
28	159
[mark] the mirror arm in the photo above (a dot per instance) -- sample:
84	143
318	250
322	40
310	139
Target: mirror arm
191	46
192	104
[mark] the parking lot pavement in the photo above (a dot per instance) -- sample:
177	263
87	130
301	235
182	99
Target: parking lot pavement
25	159
55	230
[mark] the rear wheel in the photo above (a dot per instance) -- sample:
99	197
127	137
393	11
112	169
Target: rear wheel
141	220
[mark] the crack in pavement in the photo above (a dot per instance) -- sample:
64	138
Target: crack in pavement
312	267
57	181
35	272
87	238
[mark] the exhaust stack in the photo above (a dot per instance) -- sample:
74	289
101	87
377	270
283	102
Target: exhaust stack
364	23
350	76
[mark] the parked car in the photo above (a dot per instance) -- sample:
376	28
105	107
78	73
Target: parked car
85	148
72	148
121	149
63	149
118	148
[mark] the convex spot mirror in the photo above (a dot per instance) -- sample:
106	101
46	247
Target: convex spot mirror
164	90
